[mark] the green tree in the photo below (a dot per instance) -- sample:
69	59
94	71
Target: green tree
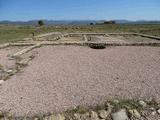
40	23
91	23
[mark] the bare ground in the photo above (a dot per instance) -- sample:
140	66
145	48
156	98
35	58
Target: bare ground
61	77
119	38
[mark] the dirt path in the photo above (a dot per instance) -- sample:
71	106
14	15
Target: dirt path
61	77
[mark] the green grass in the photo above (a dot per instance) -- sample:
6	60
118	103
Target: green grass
14	33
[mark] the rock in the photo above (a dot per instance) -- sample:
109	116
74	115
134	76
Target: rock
142	103
11	58
9	71
1	82
120	115
45	118
152	109
109	107
57	117
77	116
1	67
36	118
23	63
158	111
103	114
94	116
9	115
116	101
85	116
135	113
1	114
153	113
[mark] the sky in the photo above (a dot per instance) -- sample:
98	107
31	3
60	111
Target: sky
24	10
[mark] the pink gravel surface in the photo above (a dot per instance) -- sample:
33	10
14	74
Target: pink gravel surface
62	77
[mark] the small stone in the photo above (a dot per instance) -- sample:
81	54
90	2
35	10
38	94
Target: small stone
1	82
1	67
116	101
57	117
103	114
36	118
121	115
142	103
45	118
135	113
9	71
77	116
94	116
9	115
23	63
158	111
152	109
85	116
109	107
1	114
153	113
11	58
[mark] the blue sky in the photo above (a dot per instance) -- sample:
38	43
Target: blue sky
79	9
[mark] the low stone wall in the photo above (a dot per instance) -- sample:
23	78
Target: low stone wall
26	50
137	34
85	38
87	33
148	36
83	43
21	44
4	45
43	37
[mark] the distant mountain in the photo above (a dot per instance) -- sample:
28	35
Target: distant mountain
51	22
75	22
137	22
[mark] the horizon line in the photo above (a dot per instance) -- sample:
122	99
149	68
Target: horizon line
77	20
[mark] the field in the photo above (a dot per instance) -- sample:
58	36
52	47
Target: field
11	33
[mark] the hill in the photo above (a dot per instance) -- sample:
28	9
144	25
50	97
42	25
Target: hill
75	22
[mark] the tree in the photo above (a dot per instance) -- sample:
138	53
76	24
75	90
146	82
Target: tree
91	23
110	22
40	23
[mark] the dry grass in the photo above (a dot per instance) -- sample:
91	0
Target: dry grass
13	33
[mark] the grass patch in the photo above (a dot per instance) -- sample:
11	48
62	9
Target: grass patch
14	33
69	114
79	109
127	104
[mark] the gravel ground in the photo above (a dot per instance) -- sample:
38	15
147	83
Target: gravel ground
61	77
122	39
134	39
105	39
